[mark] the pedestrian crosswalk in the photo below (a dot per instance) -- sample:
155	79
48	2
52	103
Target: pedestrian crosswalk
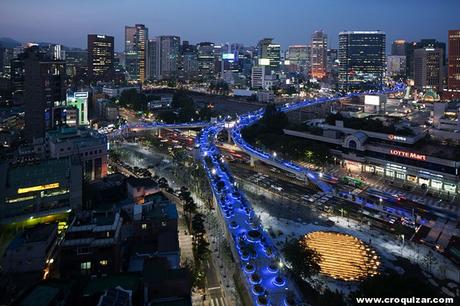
217	301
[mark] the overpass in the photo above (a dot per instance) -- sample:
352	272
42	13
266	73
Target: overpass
271	159
155	126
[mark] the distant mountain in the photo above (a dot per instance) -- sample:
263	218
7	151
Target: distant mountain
7	42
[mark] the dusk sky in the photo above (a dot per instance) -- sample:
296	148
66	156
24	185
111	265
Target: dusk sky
245	21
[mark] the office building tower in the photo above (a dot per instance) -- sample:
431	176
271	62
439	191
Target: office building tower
424	43
76	63
318	56
79	100
453	73
257	77
362	60
189	61
396	66
297	58
152	59
332	62
205	57
136	44
44	188
168	57
428	68
43	88
269	55
100	57
399	47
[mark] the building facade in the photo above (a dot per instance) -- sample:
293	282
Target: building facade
87	145
362	60
44	81
428	68
453	74
100	58
318	56
136	44
39	189
168	56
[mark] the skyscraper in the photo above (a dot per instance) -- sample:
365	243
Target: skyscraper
168	55
318	56
298	57
152	60
399	47
100	57
136	44
269	52
453	76
189	61
428	68
205	56
43	88
362	60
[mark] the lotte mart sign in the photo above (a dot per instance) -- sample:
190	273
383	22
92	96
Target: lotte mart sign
410	155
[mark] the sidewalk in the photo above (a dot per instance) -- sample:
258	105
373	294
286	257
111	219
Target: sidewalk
406	189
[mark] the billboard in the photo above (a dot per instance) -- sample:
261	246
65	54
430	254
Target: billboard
264	61
228	56
372	100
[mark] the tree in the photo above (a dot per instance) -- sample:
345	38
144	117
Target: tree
168	116
198	225
303	260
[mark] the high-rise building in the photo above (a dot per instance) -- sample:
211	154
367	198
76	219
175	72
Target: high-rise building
362	60
298	57
168	56
205	57
428	68
152	60
396	65
399	47
269	55
318	56
43	88
136	44
189	61
424	43
257	77
453	73
100	57
76	63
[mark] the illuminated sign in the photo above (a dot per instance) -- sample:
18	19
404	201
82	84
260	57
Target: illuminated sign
83	94
264	61
372	100
38	188
410	155
228	56
395	137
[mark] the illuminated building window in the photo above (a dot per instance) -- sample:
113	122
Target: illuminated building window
85	265
144	226
104	262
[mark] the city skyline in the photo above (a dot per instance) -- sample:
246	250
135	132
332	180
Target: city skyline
223	22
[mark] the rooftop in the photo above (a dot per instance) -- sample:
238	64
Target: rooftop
41	232
80	136
38	172
128	281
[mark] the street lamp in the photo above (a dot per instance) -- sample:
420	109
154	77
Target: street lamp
274	154
213	171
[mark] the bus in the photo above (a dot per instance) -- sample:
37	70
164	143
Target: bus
352	181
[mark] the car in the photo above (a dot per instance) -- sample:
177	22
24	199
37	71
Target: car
276	187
